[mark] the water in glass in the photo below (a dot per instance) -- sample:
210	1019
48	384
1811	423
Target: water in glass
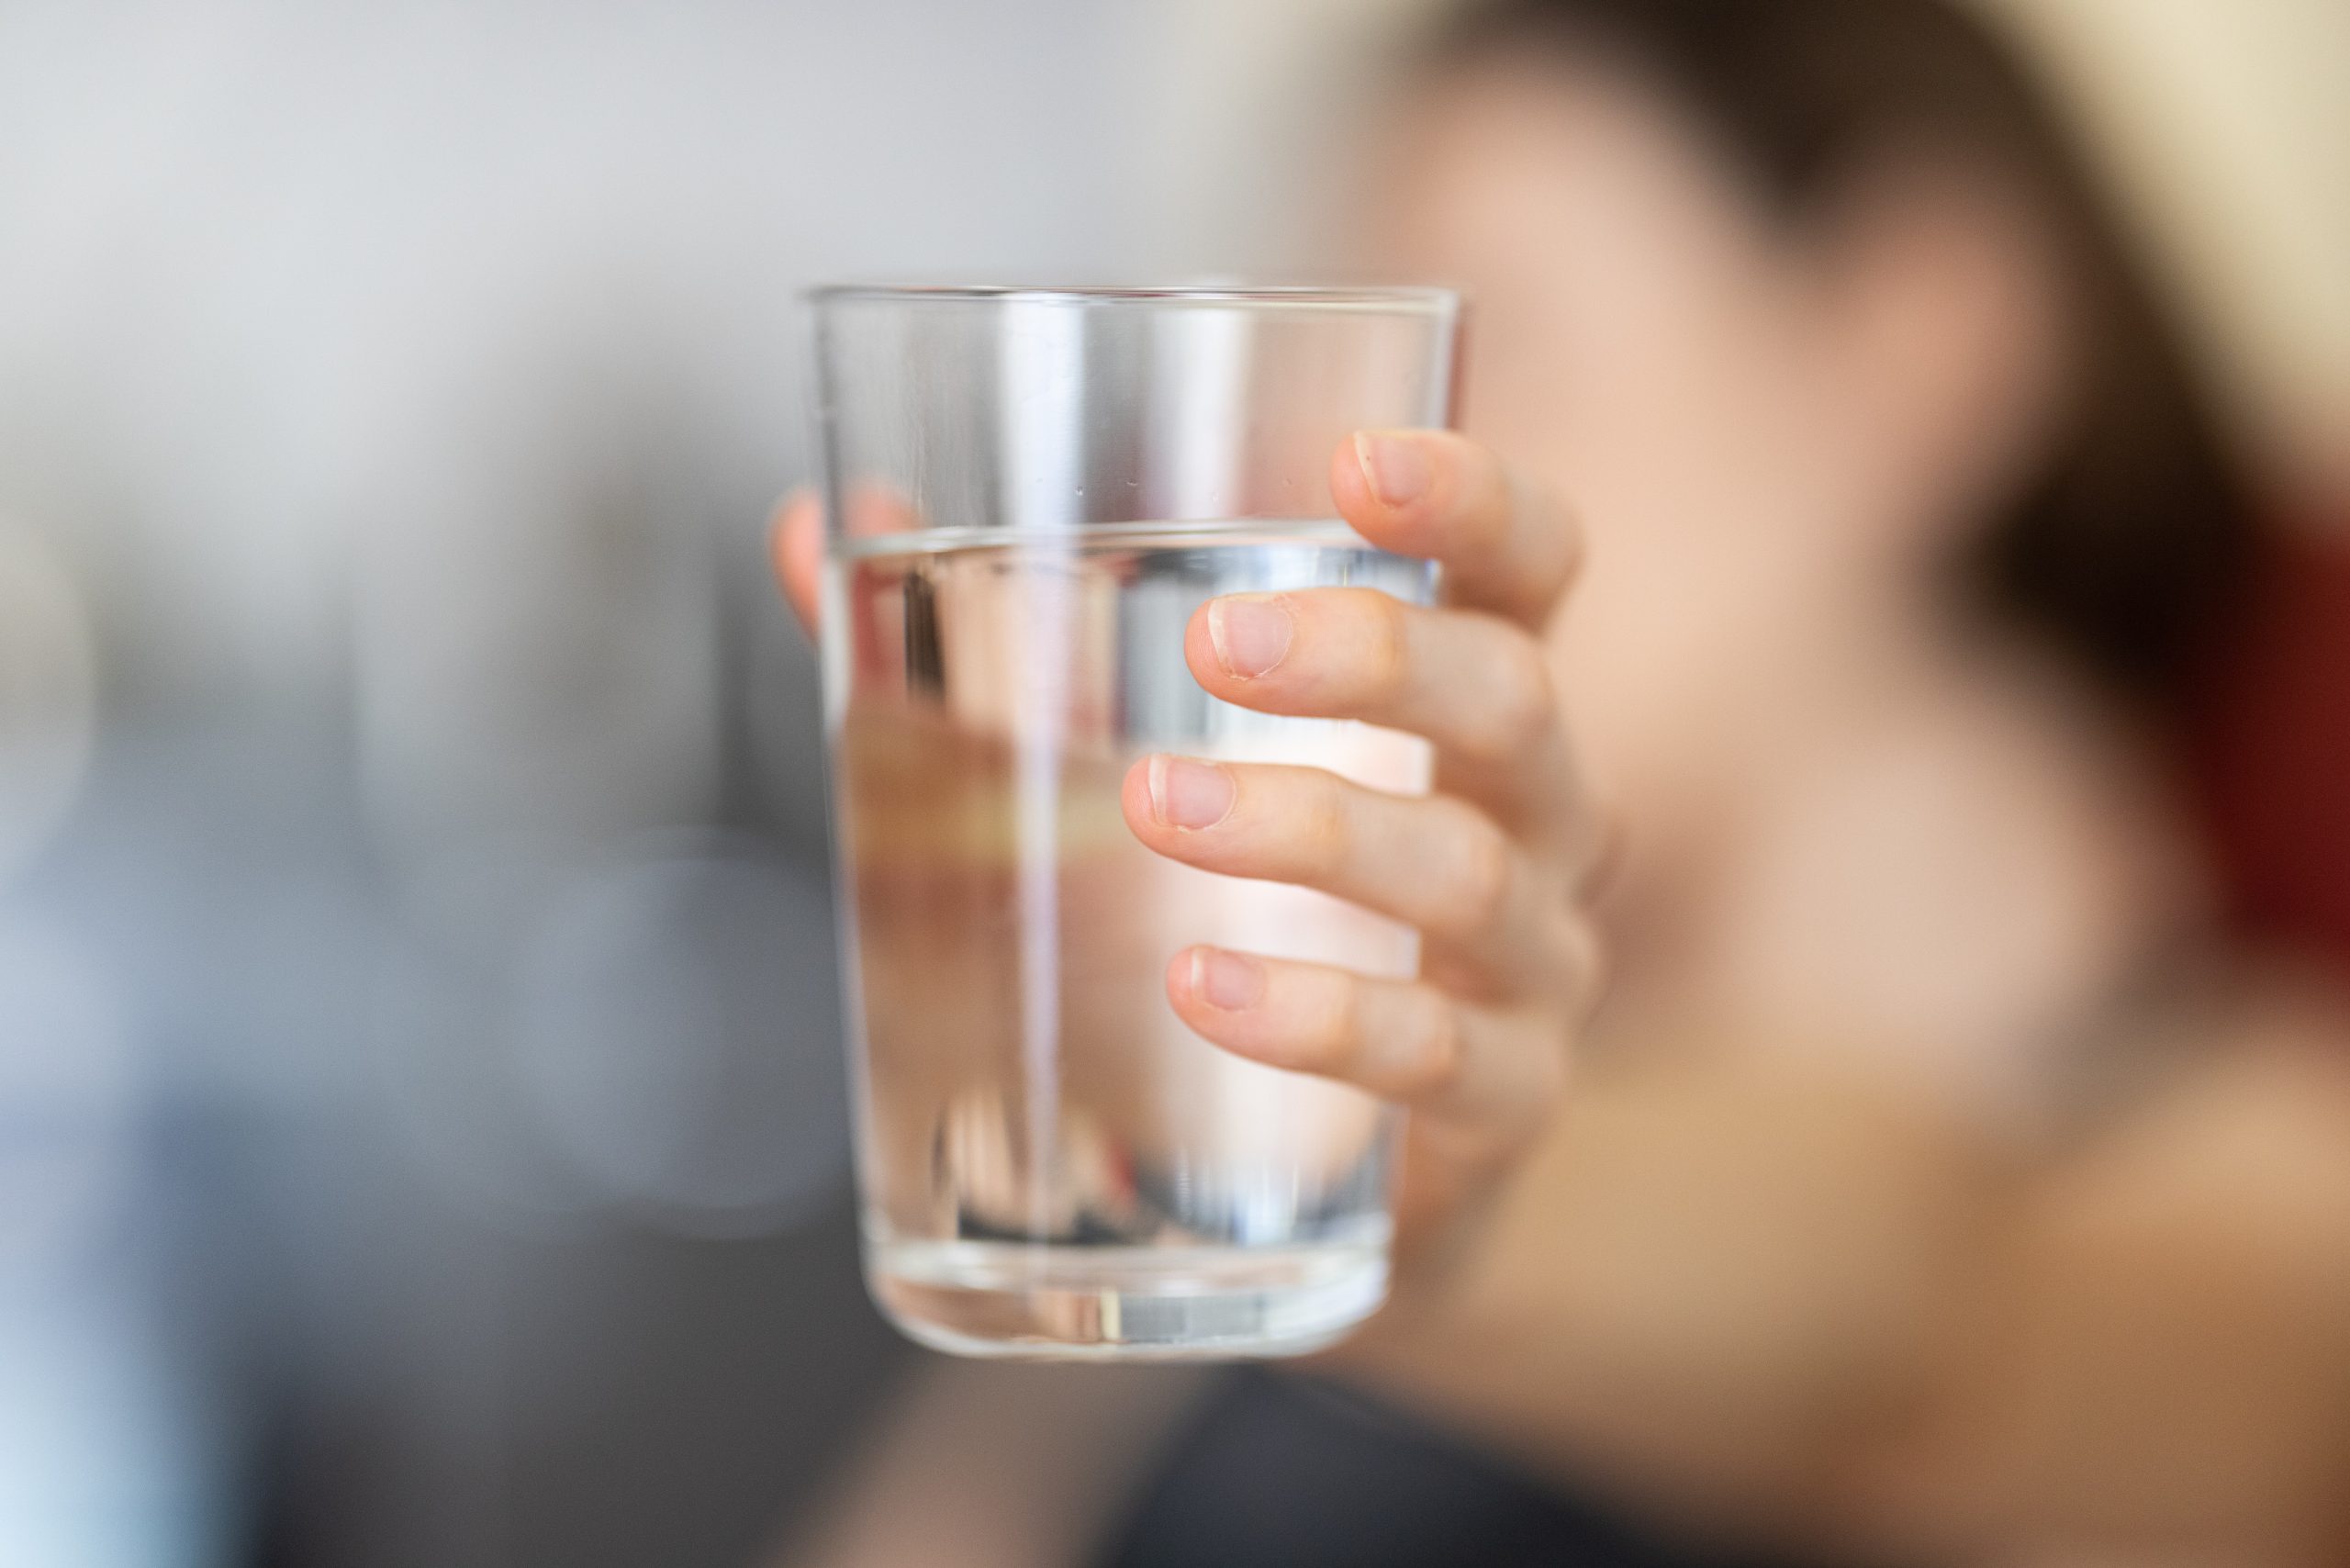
1051	1161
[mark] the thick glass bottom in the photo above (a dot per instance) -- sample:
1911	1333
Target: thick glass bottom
1046	1301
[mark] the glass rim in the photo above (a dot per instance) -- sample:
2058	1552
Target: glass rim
1409	298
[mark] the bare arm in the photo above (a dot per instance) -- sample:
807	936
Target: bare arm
1797	1306
1782	1297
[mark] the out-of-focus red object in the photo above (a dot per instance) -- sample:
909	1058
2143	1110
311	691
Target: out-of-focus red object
2273	756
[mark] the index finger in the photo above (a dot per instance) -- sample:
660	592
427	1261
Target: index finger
1506	544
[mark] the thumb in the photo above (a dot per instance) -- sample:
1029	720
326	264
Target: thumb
796	545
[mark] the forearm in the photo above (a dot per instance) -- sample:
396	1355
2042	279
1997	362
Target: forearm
1708	1279
2159	1365
1794	1304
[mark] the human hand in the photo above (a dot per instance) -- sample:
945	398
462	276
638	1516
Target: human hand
1493	868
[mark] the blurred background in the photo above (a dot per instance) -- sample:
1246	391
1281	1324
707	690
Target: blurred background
422	1136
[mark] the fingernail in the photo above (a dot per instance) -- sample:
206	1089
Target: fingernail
1189	794
1252	634
1395	467
1227	979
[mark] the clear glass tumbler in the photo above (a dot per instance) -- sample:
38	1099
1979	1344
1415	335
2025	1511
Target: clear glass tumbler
1029	493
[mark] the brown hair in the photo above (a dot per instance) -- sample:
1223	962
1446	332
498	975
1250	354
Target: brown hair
2126	548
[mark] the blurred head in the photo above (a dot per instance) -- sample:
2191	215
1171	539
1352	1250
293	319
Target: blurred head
1808	306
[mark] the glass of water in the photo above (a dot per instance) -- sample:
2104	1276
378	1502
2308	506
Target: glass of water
1029	491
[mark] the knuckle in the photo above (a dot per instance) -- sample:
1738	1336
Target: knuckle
1490	499
1560	952
1315	1024
1539	1079
1323	838
1521	703
1435	1052
1559	522
1484	872
1338	1028
1553	543
1386	662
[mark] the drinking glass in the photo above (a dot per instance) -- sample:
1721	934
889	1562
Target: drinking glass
1029	492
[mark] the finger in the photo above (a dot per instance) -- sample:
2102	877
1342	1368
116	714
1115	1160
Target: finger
796	543
1507	544
872	510
1402	1041
1433	862
1475	684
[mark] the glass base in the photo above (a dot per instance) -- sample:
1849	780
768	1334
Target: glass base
1045	1302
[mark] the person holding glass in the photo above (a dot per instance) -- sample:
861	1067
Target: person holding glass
1941	1178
